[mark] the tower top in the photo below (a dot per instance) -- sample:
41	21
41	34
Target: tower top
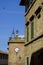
16	38
12	35
13	31
16	34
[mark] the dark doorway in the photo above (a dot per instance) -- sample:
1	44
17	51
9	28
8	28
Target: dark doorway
37	58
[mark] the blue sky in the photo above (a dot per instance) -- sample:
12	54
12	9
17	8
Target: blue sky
11	17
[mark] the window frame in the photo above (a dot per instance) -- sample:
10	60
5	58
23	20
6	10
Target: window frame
27	60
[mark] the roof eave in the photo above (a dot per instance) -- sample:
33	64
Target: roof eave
24	2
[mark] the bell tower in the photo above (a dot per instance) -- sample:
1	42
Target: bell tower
16	50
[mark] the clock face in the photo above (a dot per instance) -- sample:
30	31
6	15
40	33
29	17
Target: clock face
16	49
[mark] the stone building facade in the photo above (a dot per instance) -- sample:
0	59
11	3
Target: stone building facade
33	31
3	58
16	51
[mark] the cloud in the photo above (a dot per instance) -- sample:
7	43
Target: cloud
22	36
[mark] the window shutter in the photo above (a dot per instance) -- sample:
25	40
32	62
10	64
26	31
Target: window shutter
32	29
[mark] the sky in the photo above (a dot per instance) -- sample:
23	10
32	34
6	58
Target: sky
11	17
